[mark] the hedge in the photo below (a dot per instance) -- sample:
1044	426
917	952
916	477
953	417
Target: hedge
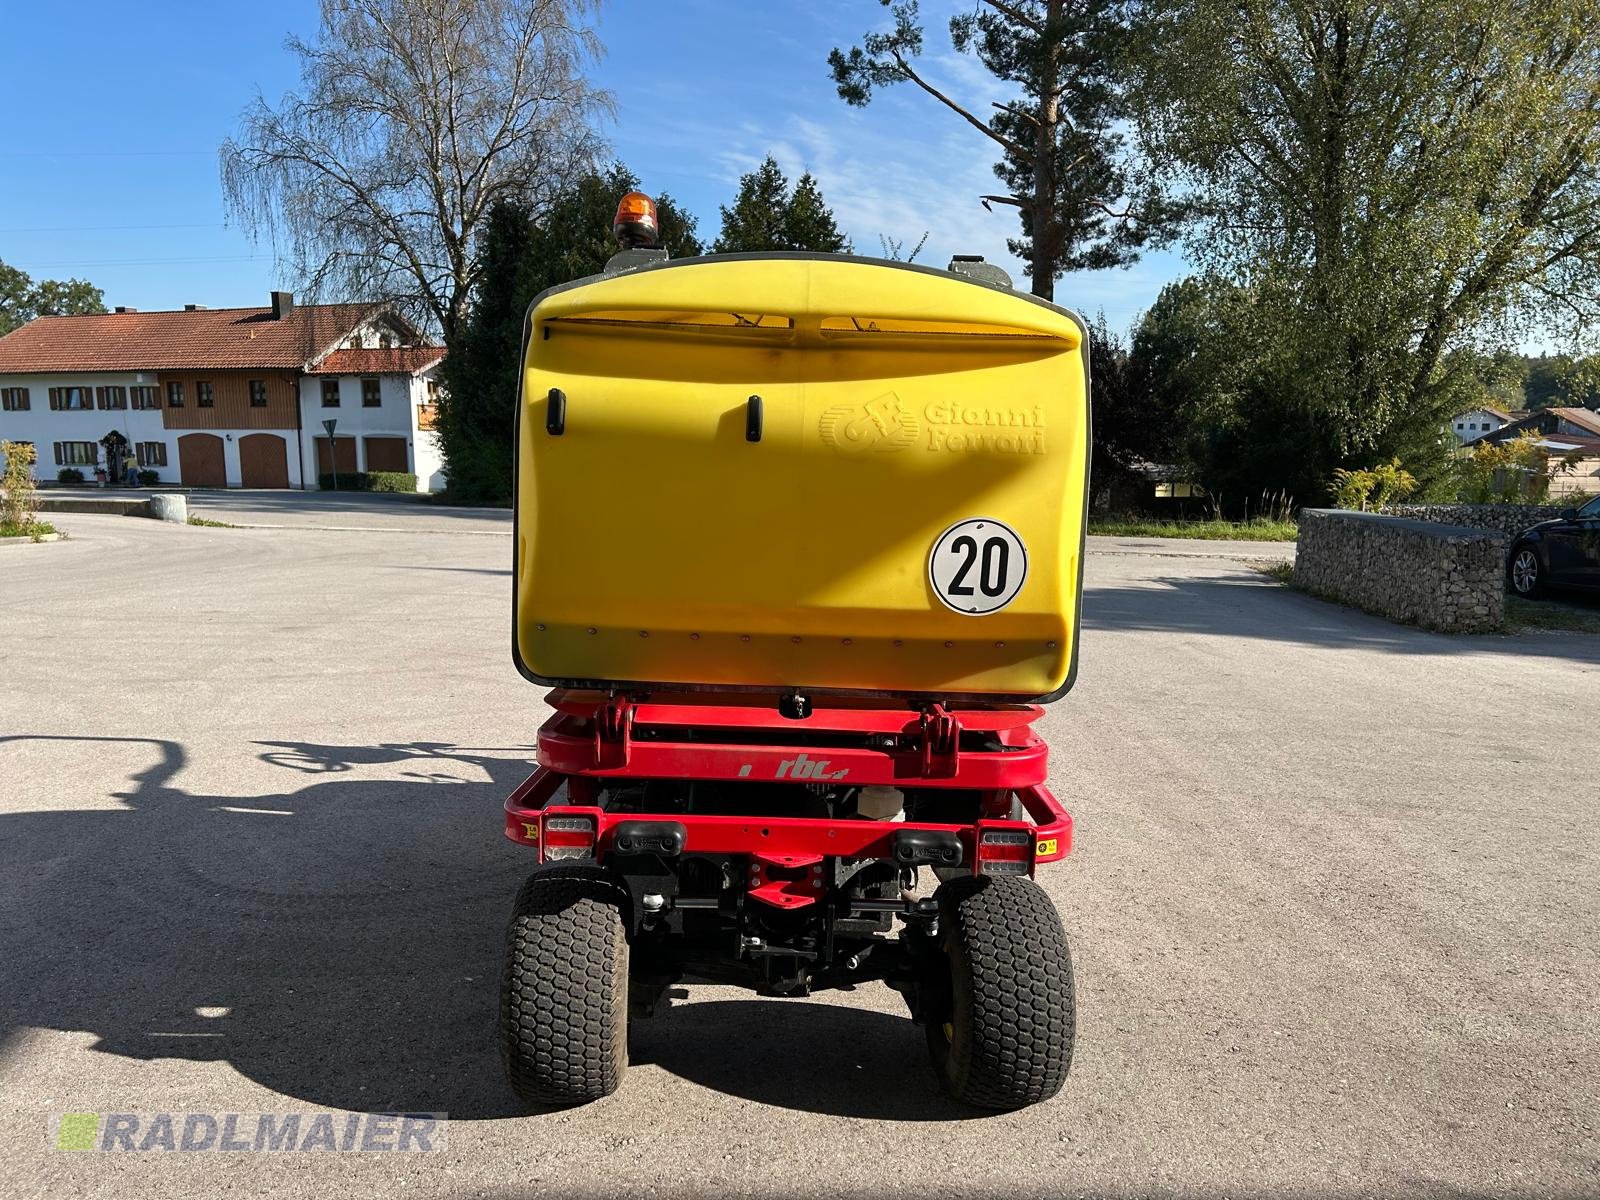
369	481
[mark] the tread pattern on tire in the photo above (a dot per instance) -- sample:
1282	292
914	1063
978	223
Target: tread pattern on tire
1014	1009
564	991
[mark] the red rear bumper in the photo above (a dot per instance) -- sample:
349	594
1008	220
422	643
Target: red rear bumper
591	738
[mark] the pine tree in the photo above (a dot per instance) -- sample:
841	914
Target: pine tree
477	411
808	222
755	222
768	215
1062	157
522	257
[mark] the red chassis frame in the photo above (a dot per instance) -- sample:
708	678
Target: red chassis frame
593	737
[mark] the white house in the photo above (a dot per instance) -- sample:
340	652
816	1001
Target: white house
223	397
382	402
1478	421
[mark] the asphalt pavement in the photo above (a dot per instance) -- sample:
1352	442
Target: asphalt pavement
1334	902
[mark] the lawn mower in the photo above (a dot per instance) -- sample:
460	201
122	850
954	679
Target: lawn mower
798	546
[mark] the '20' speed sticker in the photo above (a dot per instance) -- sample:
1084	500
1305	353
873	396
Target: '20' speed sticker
977	566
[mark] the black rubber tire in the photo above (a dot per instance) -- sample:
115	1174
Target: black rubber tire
1535	581
1006	1039
564	991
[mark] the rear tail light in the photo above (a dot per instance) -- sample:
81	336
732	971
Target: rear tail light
569	837
1004	852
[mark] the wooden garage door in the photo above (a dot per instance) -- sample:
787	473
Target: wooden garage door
387	454
200	461
263	461
344	448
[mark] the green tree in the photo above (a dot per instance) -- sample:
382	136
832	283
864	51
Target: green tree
1062	156
767	214
1390	180
808	222
21	299
521	256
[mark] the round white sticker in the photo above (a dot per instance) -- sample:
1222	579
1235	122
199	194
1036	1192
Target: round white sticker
977	566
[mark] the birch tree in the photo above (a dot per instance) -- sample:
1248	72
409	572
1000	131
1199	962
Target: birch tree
413	118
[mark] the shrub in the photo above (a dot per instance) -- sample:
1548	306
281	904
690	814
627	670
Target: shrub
149	478
1386	483
369	481
69	475
19	503
1517	471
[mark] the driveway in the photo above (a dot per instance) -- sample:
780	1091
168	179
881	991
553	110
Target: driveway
1334	904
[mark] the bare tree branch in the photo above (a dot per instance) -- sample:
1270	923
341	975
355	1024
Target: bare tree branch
413	118
992	134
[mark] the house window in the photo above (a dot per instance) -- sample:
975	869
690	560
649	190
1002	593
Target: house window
175	393
151	454
77	454
371	394
14	400
203	395
70	399
145	397
258	393
111	397
330	393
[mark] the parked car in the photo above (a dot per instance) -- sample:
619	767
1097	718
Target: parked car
1562	553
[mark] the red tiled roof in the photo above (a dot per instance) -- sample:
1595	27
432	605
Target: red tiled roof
206	338
404	361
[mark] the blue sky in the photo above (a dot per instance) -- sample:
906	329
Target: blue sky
108	160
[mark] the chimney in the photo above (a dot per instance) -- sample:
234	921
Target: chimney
194	308
282	305
123	308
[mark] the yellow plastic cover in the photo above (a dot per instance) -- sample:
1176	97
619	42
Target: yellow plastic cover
910	521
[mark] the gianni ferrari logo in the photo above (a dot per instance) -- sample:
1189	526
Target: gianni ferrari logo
800	767
889	423
882	424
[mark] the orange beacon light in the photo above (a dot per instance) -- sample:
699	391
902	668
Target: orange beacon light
635	224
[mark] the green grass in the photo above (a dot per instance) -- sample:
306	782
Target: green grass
1259	529
1550	615
35	531
210	524
1282	571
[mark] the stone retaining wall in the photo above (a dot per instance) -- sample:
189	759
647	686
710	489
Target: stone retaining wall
1509	519
1445	577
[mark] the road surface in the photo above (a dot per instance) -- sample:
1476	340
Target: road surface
1333	904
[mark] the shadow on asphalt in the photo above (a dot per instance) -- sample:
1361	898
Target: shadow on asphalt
339	943
822	1058
1245	604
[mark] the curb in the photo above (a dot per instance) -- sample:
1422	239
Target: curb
28	541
